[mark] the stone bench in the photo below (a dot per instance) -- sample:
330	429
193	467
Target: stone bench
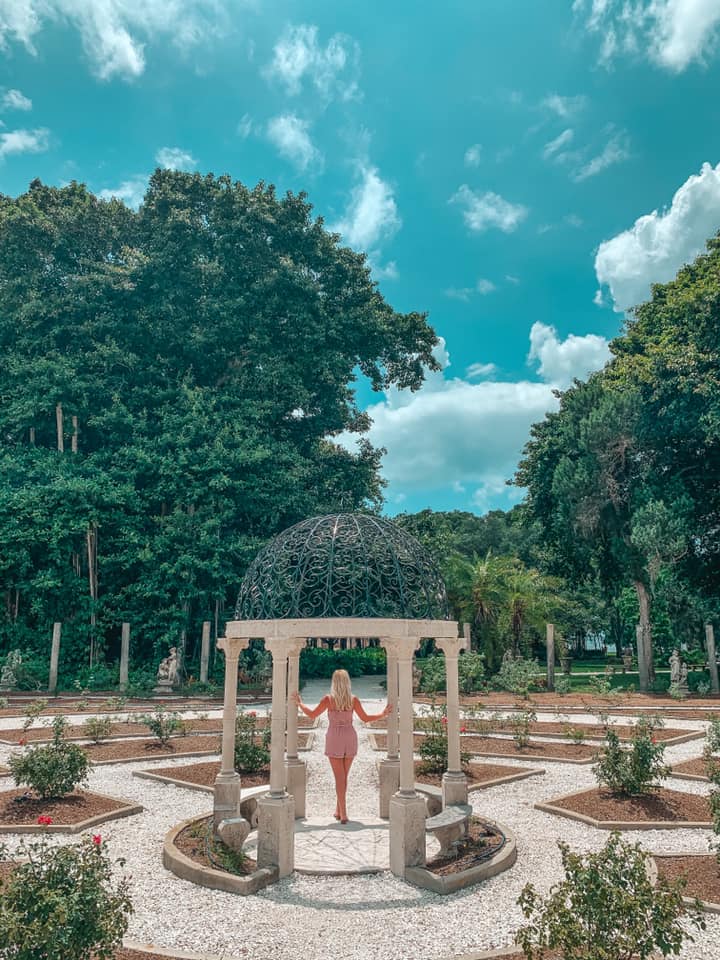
449	826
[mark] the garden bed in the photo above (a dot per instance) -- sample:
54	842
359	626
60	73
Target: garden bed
505	747
694	769
199	745
201	776
480	775
659	810
71	814
483	842
700	871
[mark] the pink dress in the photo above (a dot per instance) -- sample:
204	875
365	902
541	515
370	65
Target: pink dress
341	738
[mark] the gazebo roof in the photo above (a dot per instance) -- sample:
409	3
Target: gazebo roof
343	565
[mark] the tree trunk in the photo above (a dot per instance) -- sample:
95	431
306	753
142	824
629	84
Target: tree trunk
59	425
647	651
32	435
74	442
92	584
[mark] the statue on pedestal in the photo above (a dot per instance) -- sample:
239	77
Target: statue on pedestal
167	674
675	667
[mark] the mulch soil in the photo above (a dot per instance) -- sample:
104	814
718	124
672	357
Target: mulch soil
661	804
203	774
192	842
77	806
482	844
494	746
592	731
152	749
477	773
697	767
584	701
701	873
58	707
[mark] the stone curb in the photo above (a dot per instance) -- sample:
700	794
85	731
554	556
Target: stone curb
707	905
502	756
169	952
186	869
683	737
502	861
549	807
476	785
689	776
128	810
199	787
490	954
164	756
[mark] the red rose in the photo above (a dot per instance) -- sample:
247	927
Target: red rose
97	839
22	741
44	821
444	719
252	714
463	729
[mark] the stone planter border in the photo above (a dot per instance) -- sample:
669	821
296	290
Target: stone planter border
165	757
431	790
550	807
128	810
502	861
707	905
502	756
168	952
186	869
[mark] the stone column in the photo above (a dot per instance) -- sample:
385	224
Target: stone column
295	769
407	808
226	804
54	658
712	658
205	651
389	768
124	656
550	645
454	781
276	810
642	660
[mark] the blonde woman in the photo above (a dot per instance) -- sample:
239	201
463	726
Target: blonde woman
341	742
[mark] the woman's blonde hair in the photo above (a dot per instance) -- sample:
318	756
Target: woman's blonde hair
340	691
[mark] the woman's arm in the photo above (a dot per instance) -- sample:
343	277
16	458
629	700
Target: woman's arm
369	717
309	711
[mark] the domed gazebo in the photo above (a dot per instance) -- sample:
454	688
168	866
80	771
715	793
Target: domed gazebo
356	577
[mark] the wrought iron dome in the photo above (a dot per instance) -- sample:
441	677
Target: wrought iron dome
343	565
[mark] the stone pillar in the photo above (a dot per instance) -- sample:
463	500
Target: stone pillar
124	656
550	645
454	781
642	659
205	651
276	810
295	769
407	808
390	767
54	658
712	658
226	804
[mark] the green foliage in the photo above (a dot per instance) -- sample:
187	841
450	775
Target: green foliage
162	724
471	673
97	729
433	748
576	734
53	770
635	769
32	711
252	752
712	737
318	662
61	903
606	908
563	685
518	676
520	726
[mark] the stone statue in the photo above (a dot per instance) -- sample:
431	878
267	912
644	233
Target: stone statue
8	676
167	671
684	676
508	657
675	667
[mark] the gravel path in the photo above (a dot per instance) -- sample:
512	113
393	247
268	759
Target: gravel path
360	918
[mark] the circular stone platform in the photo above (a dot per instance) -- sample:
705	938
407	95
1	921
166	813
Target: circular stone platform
325	847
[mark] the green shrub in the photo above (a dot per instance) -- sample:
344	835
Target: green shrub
563	685
471	673
251	743
53	770
634	769
433	749
162	723
32	711
97	729
606	908
518	676
712	743
520	726
60	903
576	734
318	662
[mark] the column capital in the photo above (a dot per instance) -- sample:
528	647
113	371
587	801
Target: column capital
451	646
232	647
401	647
296	645
283	647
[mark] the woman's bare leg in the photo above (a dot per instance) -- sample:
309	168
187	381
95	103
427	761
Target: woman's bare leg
347	763
338	769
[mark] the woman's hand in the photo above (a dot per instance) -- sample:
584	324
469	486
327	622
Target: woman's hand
295	697
388	710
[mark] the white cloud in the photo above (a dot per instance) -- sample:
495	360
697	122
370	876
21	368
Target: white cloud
561	361
371	216
511	279
114	32
564	107
484	286
485	210
174	158
291	136
332	70
460	293
246	126
671	33
659	243
555	146
15	100
615	151
131	192
472	155
477	370
24	141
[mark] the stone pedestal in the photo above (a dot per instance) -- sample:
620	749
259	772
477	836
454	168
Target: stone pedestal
226	802
164	688
454	788
389	774
296	779
407	833
276	833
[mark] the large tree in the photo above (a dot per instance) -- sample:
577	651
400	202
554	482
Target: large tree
171	386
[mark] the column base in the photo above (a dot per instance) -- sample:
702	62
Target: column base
407	833
454	788
389	773
226	801
296	779
276	833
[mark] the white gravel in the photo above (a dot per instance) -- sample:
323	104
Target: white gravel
367	917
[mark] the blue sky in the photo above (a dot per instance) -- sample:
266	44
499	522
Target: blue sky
521	169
